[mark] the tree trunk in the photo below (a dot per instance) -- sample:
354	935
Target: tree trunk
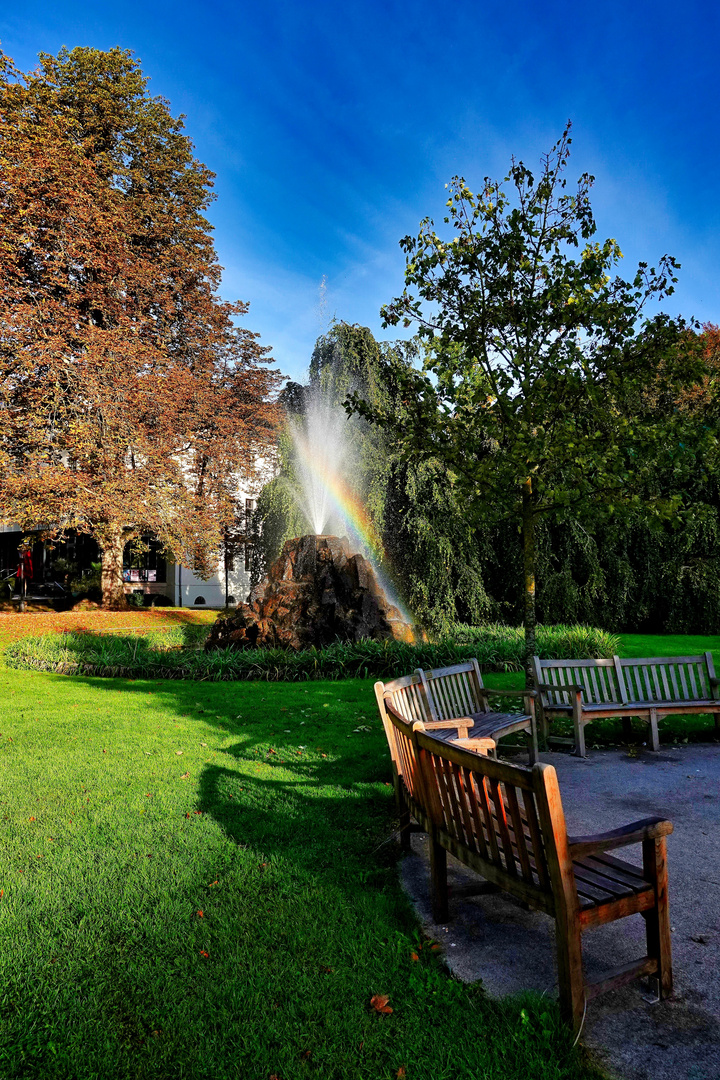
528	538
111	577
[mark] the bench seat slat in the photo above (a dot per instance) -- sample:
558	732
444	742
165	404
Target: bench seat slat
619	866
608	878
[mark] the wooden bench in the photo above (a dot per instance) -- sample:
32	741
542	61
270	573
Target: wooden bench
458	691
507	823
453	704
588	690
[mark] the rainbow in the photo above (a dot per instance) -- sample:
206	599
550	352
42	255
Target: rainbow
333	494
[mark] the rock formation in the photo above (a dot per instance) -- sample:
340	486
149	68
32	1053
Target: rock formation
316	592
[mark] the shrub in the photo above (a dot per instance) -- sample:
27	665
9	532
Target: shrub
165	655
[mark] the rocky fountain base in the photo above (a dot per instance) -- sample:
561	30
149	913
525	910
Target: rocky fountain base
316	592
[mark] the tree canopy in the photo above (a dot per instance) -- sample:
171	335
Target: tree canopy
131	400
543	390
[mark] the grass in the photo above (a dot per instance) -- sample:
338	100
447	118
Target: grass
199	881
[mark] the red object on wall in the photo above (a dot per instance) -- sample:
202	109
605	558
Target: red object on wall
25	566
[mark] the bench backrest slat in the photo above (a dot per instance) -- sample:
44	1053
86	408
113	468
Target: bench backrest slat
492	809
691	677
477	811
536	841
667	678
404	697
453	691
600	679
407	697
403	748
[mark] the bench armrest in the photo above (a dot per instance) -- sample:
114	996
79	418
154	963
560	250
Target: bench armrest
714	680
457	721
646	829
461	724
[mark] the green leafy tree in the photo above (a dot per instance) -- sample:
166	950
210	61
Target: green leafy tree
541	392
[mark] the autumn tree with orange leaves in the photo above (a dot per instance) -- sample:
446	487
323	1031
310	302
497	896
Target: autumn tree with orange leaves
131	402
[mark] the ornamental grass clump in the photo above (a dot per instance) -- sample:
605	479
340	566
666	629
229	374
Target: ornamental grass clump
175	654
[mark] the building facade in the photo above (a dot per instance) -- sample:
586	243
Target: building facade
63	569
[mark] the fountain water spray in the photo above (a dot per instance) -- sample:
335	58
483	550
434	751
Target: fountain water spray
325	493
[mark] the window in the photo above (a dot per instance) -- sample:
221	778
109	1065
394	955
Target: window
144	561
199	599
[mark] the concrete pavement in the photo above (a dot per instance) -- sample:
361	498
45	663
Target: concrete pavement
494	939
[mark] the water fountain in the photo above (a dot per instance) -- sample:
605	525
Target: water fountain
322	588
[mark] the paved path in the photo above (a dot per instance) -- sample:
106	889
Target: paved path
492	938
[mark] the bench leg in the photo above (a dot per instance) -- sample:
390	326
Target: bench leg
571	983
438	881
579	750
404	814
716	718
654	737
532	738
657	920
627	729
544	728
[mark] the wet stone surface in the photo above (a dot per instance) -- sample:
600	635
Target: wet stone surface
318	591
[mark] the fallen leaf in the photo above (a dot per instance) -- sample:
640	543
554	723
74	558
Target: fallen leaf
205	954
305	1055
327	970
200	914
32	818
212	883
414	956
401	1073
379	1002
178	753
185	776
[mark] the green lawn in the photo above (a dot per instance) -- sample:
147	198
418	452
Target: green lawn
199	881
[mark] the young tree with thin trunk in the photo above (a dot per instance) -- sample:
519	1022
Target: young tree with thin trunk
130	401
534	387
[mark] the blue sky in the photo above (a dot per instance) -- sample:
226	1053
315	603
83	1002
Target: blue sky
333	127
